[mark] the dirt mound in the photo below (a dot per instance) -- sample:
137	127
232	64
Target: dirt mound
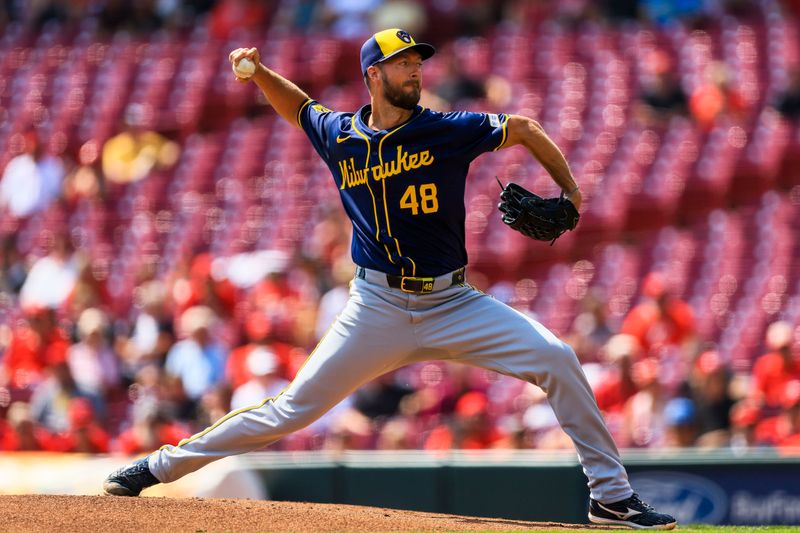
39	513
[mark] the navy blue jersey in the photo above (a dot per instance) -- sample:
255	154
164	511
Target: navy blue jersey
403	188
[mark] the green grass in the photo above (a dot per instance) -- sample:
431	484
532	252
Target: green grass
691	528
698	528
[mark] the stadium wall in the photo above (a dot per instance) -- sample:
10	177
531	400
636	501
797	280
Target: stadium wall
697	486
756	487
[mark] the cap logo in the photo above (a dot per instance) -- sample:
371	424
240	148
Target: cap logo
389	42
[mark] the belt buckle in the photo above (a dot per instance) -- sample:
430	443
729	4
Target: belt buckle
425	288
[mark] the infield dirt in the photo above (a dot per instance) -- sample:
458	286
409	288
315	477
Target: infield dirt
63	514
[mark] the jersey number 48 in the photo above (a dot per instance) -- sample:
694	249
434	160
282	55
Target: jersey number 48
427	201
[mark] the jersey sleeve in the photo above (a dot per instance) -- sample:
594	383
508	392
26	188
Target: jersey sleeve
316	121
479	132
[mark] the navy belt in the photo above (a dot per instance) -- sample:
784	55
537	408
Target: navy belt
413	284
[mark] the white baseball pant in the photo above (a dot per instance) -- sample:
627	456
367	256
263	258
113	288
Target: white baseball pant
382	329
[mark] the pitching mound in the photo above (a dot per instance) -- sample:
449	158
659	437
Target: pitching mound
39	513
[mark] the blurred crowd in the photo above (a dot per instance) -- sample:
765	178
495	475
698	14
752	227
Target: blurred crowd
446	19
192	348
79	372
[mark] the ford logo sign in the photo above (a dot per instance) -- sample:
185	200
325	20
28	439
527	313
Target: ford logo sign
689	498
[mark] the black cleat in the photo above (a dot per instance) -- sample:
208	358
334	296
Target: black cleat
632	512
130	480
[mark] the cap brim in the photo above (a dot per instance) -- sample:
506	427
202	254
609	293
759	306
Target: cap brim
425	50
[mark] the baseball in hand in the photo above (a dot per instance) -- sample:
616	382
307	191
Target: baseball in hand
244	68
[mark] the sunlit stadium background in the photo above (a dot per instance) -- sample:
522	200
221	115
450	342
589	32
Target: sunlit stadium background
171	250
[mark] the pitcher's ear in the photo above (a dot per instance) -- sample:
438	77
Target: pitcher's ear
374	72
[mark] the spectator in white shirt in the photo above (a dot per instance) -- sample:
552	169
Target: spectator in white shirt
265	383
52	277
31	181
93	363
198	361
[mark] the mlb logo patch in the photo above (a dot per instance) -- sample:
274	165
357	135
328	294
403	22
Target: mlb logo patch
494	120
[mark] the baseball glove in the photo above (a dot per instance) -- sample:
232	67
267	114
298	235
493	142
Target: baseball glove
543	219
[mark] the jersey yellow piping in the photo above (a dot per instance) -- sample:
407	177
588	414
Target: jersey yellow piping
413	267
374	203
385	205
366	166
299	111
372	194
503	139
230	415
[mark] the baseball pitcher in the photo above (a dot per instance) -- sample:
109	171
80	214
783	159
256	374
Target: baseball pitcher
401	170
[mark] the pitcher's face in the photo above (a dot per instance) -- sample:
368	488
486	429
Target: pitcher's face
401	79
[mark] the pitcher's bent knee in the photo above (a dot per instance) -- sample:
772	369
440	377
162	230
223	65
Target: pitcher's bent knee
560	355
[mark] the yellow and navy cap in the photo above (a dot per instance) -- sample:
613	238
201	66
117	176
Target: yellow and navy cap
387	43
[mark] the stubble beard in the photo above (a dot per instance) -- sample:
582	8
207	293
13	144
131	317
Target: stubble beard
396	96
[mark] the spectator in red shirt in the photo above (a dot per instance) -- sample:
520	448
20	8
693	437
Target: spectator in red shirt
745	415
471	429
35	343
783	429
232	17
85	434
791	417
20	433
715	97
617	385
202	285
258	331
773	370
646	424
152	428
290	298
661	319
